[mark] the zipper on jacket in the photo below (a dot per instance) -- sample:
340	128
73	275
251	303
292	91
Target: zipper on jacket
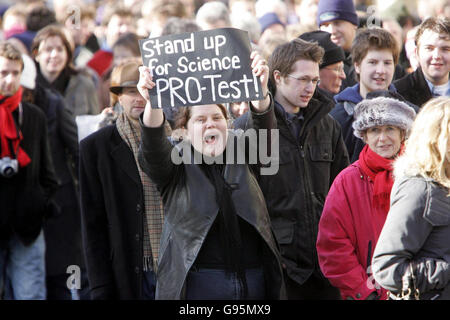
309	208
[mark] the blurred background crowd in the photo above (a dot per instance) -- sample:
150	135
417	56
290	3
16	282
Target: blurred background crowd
102	33
70	49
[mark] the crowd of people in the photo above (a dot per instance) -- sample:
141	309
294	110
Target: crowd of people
93	205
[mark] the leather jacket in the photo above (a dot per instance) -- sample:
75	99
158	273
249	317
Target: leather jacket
190	211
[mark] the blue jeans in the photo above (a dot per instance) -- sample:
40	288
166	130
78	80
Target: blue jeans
217	284
148	285
22	269
58	288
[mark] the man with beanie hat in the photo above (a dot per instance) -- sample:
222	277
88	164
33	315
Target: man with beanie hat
331	70
271	25
338	17
269	20
121	209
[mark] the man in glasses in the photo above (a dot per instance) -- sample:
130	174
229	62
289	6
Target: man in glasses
331	69
311	154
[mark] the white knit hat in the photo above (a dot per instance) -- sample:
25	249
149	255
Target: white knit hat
382	111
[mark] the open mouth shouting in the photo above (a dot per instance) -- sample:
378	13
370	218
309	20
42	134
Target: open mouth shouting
210	138
213	143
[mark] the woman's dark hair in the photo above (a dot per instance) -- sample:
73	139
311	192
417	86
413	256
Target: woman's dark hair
52	31
184	114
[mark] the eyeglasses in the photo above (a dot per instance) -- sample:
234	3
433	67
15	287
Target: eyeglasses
306	80
338	70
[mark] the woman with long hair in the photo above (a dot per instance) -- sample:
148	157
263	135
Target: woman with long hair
415	240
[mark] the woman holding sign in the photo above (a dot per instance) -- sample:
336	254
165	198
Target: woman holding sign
217	241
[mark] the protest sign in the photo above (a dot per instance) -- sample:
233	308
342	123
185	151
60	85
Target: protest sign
204	67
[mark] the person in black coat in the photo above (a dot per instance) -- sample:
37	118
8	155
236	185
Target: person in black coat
414	88
217	242
118	203
25	188
62	228
311	154
431	79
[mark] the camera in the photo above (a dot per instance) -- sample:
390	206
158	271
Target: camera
8	167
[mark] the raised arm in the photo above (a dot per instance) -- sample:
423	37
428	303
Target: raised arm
152	117
261	70
155	155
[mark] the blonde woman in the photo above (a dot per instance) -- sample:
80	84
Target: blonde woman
416	235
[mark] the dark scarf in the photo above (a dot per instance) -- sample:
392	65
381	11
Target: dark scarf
61	82
230	233
10	134
379	169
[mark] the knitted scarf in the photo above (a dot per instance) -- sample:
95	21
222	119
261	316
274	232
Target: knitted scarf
10	135
59	84
379	169
153	217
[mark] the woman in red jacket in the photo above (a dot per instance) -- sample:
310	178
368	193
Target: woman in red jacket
358	202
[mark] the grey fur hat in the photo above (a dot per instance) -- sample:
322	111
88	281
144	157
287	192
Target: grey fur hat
382	111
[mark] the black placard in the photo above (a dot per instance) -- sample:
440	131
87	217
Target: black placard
204	67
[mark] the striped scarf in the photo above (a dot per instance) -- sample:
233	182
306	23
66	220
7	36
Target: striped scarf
153	217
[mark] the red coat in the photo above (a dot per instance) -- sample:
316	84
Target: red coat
348	232
101	61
